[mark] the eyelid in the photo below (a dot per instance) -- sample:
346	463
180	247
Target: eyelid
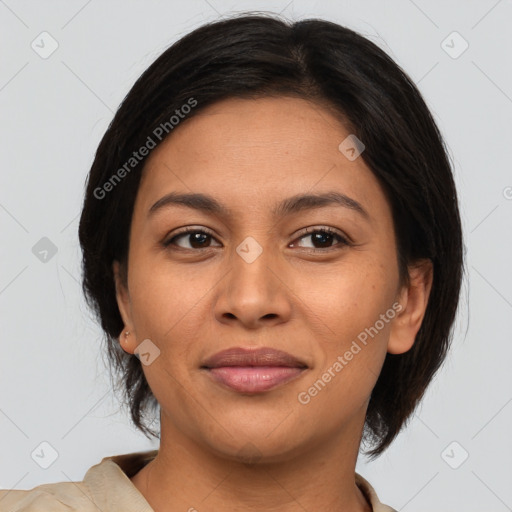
193	229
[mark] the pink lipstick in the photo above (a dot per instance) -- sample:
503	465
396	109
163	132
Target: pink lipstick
253	370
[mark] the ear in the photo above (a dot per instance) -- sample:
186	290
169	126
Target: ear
128	343
413	299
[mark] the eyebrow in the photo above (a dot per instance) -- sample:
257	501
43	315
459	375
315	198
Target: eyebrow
294	204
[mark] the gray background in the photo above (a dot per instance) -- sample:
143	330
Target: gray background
54	385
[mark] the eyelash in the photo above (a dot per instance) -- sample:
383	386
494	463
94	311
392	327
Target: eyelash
309	231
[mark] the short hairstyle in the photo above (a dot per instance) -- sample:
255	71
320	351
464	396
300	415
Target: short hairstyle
256	56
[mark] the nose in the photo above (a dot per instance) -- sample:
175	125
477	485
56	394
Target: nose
254	292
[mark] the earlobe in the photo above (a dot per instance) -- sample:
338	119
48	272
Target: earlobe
414	300
127	341
123	303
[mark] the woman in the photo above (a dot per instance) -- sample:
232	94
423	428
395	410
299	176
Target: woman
271	228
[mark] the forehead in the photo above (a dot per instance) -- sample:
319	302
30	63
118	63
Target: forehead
281	127
257	150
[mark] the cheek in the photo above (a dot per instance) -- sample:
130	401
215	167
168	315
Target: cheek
168	307
346	300
352	347
358	313
162	294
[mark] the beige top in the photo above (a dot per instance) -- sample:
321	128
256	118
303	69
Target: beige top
107	487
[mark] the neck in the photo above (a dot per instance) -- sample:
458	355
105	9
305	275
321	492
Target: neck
186	476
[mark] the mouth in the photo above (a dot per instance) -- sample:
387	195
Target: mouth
253	370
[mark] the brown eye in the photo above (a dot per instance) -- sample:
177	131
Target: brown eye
323	238
197	239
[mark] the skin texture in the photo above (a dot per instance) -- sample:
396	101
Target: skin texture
192	300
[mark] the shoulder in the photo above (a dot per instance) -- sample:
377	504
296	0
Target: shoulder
106	486
55	497
371	495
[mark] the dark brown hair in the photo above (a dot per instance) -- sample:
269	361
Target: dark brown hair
253	56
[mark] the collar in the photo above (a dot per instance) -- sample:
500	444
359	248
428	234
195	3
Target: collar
110	485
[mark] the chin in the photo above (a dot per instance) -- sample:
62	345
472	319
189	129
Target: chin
260	443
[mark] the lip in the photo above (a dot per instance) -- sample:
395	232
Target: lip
253	370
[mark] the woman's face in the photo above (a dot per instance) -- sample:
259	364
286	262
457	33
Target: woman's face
259	270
